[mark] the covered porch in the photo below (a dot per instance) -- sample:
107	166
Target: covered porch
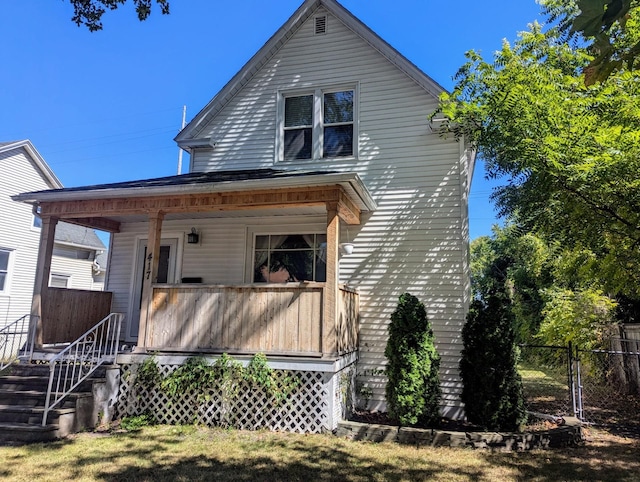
302	316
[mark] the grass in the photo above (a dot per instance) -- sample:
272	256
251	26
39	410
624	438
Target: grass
545	389
189	453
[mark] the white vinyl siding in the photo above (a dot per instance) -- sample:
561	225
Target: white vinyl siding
18	173
416	241
78	269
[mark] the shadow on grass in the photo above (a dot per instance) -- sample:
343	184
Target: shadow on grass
189	453
614	459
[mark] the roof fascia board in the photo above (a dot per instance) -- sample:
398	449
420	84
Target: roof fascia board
41	164
86	247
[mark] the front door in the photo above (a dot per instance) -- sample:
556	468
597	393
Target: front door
166	274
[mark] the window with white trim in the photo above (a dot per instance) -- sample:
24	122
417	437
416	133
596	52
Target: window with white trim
5	255
318	125
281	258
57	280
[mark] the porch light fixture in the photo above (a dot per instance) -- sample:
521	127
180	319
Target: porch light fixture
193	237
347	248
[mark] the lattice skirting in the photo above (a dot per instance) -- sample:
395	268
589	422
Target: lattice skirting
316	403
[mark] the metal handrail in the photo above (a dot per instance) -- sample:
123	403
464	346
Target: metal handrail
16	340
80	359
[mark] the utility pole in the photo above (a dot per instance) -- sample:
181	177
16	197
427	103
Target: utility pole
184	118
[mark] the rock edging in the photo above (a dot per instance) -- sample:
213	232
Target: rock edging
568	435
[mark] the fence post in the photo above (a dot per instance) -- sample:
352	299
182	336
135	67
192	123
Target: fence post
572	385
580	413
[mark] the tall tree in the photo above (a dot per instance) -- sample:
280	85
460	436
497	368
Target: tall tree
569	154
551	291
89	12
608	26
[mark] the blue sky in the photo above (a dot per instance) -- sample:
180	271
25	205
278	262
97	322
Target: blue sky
105	106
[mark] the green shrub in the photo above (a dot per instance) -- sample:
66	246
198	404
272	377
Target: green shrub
492	391
135	423
413	387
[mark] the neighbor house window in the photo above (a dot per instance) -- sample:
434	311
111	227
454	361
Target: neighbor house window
59	280
4	268
289	258
319	125
37	221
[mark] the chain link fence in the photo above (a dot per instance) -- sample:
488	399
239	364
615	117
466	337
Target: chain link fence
608	385
546	373
601	387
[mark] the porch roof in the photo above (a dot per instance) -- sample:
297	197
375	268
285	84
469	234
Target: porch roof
211	182
106	206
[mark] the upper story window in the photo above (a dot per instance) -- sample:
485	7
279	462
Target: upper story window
4	268
37	221
319	125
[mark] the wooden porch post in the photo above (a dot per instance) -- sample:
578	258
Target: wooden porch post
150	275
43	270
330	301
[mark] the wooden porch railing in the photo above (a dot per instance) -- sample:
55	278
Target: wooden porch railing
274	318
348	320
69	313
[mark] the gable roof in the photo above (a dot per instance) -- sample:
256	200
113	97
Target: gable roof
72	234
188	137
39	161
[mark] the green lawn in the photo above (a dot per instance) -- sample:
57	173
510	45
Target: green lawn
189	453
546	390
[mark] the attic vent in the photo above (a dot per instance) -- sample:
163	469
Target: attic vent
321	25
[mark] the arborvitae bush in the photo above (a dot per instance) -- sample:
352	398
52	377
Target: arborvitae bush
413	387
492	391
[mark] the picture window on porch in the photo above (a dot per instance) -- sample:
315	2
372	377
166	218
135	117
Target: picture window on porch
289	258
319	125
4	268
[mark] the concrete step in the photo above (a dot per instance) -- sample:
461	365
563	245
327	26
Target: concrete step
33	383
32	369
14	382
23	391
36	398
31	415
19	433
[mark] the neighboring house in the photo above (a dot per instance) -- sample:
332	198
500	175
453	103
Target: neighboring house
322	139
74	258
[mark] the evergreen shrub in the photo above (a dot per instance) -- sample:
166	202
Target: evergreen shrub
492	391
413	387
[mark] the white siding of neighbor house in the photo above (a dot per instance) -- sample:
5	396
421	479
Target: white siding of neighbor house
79	271
417	240
18	174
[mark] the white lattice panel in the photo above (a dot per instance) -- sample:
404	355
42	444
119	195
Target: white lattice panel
305	410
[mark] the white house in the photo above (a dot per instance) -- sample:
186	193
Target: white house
321	139
78	249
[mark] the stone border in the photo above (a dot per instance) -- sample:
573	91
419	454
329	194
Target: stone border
568	435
